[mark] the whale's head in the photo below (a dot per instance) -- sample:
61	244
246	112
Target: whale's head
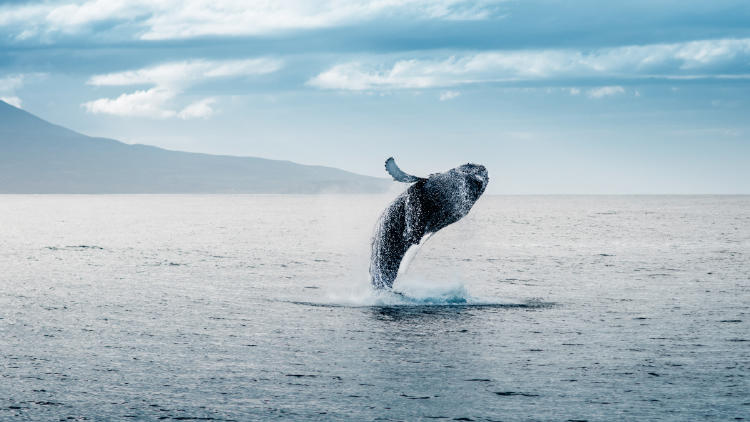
455	191
475	179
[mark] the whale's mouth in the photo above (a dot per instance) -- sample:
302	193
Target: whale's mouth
482	175
483	180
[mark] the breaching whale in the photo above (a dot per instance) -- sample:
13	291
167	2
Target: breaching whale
427	206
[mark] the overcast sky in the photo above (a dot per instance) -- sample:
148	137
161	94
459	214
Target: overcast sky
552	96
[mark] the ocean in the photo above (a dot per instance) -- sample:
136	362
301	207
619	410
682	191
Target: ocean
258	307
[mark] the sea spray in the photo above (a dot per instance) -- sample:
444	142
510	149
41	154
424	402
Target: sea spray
409	290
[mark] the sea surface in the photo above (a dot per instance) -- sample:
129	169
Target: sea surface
257	307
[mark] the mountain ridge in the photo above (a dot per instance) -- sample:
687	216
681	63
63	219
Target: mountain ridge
37	156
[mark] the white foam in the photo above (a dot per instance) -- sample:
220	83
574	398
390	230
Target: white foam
408	291
411	253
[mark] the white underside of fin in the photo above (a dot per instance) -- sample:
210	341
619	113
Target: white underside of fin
410	254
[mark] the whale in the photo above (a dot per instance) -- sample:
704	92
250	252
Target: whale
428	205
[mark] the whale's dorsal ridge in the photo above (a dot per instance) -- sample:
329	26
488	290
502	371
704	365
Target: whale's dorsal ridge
397	174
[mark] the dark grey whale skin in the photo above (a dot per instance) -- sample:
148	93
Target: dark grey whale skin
425	207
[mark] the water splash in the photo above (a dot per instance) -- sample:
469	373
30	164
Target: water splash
408	291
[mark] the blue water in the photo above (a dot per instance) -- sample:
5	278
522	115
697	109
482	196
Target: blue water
258	307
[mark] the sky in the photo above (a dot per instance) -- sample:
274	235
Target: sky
554	97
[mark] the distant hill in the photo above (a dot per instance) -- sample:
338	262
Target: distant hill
39	157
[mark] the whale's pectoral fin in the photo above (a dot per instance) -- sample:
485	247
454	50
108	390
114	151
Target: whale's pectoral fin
397	174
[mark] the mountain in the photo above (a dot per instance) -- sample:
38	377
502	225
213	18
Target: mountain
39	157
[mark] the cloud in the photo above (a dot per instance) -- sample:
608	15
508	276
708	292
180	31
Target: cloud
175	19
168	81
198	109
175	74
148	103
448	95
356	76
605	91
14	101
11	83
696	59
